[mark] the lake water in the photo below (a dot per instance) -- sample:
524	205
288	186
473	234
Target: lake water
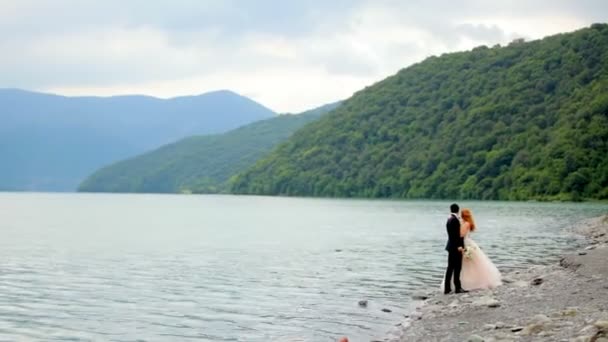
228	268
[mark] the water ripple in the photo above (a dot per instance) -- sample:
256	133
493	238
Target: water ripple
177	268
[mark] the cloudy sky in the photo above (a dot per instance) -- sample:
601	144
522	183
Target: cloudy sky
288	55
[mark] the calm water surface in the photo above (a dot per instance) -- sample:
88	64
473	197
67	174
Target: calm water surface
227	268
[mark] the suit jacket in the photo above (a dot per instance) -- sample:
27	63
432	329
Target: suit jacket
454	239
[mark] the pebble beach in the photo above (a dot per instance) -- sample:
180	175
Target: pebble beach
565	301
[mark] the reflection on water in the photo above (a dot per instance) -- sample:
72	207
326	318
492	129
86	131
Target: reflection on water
227	268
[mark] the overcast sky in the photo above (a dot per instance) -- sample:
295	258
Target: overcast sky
287	55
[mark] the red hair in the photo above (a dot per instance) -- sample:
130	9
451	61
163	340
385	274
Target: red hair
467	216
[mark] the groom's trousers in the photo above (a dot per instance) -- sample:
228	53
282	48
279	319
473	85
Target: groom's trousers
454	267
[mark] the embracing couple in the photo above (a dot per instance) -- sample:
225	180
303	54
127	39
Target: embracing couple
468	266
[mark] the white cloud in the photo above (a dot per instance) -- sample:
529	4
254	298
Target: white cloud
290	56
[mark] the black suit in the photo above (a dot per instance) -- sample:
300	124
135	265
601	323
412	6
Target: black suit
454	256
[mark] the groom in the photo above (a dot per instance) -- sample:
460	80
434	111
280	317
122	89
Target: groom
455	247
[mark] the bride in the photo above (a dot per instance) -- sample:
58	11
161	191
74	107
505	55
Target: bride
478	272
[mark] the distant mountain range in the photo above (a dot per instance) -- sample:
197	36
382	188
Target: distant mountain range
200	164
51	143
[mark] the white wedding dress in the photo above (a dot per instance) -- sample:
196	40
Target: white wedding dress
478	272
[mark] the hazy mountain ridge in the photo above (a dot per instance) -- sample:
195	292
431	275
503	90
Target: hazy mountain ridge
200	164
51	142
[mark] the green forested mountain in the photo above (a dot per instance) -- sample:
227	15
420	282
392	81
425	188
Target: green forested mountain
200	164
525	121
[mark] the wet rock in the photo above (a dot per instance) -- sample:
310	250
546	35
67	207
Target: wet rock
582	253
416	316
517	329
338	250
386	310
475	338
420	296
537	281
363	303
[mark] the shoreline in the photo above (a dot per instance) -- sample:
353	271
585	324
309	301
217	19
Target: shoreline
562	301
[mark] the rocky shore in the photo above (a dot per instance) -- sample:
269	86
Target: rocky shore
562	302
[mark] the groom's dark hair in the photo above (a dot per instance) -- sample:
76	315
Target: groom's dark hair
454	208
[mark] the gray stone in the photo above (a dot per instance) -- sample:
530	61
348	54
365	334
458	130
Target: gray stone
602	325
537	281
569	312
500	325
494	304
563	324
533	329
475	338
363	303
503	336
541	319
489	327
487	301
587	330
582	339
517	329
520	283
386	310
